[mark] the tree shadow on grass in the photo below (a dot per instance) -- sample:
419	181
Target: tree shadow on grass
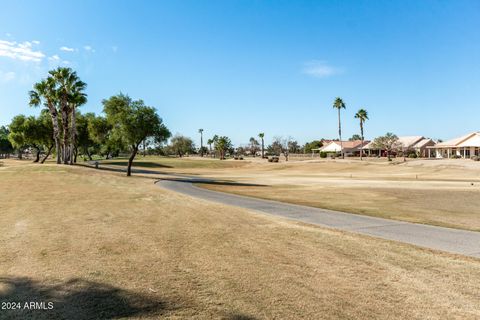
213	182
75	299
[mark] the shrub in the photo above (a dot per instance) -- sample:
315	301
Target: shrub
413	155
323	154
475	158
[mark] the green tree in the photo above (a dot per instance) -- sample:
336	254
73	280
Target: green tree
44	93
223	145
84	141
355	137
339	104
181	145
38	135
261	135
315	144
17	134
5	146
133	122
361	115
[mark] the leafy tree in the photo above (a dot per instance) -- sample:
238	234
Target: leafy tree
181	145
253	146
5	146
339	104
84	140
361	115
262	136
99	131
315	144
132	122
17	134
355	137
388	142
38	134
293	147
222	145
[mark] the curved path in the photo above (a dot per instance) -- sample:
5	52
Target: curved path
438	238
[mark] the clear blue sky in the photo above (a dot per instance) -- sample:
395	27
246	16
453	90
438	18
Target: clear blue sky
237	68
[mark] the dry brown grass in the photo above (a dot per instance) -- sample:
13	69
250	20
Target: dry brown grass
136	250
444	193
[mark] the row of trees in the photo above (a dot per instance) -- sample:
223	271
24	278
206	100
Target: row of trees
62	130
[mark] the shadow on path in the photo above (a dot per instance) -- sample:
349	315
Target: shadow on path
74	299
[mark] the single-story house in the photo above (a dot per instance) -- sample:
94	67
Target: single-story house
466	146
349	147
408	144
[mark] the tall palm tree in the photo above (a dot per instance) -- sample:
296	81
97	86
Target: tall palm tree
201	141
77	98
261	135
44	91
339	104
362	115
70	94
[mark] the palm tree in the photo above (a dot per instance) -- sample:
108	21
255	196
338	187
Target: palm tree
339	104
210	142
70	95
362	115
215	141
45	91
261	135
201	141
77	98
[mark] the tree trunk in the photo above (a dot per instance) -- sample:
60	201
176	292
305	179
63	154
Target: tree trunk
361	147
48	154
37	155
56	131
73	137
76	154
263	150
130	160
65	150
88	154
340	134
144	149
201	144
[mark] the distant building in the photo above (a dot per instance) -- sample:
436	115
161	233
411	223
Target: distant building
466	146
349	147
409	144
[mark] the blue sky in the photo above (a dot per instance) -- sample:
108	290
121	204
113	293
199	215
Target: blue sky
237	68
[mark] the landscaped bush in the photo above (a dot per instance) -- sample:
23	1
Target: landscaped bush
413	155
475	158
323	154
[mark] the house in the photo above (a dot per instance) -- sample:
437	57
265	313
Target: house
407	144
466	146
349	147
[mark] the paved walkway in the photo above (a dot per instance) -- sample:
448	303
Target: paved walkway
446	239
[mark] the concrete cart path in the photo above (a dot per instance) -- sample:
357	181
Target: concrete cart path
439	238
